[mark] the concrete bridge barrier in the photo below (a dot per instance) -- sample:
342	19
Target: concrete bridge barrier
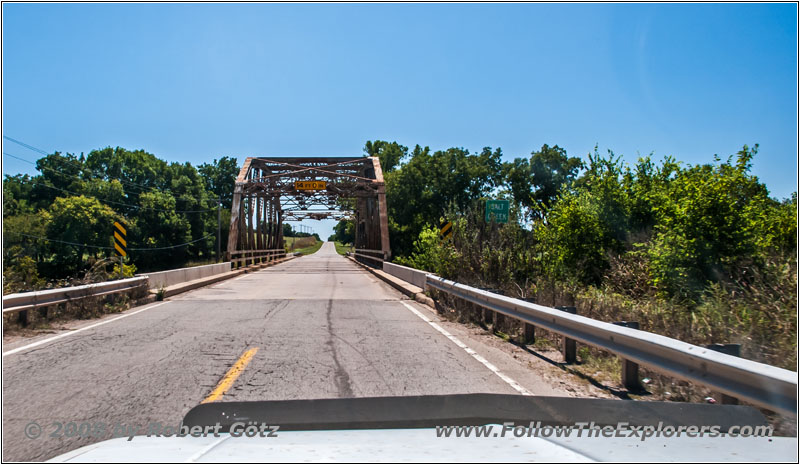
181	275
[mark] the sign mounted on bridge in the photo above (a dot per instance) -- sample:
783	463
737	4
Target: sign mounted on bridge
310	185
120	239
498	209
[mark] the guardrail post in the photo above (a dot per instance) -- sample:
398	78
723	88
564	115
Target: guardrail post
484	314
499	321
730	349
569	347
528	330
630	370
528	333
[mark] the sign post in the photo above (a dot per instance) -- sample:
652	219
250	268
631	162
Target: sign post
497	209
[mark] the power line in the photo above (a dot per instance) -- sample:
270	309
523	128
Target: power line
104	247
25	145
74	163
171	246
84	180
137	207
80	165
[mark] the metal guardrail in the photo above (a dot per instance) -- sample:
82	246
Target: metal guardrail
760	384
31	300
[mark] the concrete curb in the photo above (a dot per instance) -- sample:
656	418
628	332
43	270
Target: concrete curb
408	289
180	288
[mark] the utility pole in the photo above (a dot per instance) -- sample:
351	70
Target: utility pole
219	230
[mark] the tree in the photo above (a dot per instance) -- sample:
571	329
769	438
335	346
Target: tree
344	232
157	225
63	171
17	198
718	217
79	220
138	170
536	183
188	189
220	177
423	189
390	154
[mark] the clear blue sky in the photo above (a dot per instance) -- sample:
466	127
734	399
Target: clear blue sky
196	82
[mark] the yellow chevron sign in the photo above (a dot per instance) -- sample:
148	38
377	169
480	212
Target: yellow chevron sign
120	239
310	185
446	230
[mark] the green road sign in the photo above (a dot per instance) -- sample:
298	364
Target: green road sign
498	209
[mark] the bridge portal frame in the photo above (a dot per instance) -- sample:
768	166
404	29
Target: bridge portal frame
264	197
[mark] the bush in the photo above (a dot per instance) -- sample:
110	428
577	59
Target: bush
22	276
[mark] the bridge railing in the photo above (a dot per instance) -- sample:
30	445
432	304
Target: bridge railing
370	257
252	257
32	300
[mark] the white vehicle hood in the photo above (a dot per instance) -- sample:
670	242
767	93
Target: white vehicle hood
422	445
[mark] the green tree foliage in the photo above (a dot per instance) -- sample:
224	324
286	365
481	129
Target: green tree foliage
421	190
718	217
22	275
78	220
17	195
429	253
157	223
698	252
166	204
390	154
536	183
219	178
344	232
140	170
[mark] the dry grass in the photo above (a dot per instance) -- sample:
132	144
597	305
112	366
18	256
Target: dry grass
295	243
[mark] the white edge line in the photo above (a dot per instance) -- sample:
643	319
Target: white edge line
70	333
518	387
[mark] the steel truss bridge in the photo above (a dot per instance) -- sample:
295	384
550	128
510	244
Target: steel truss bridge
269	191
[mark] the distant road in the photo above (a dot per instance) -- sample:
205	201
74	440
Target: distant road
321	327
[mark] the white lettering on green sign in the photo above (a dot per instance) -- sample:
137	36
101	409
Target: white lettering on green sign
497	209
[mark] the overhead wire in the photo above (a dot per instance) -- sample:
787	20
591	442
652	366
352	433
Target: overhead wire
83	180
97	173
135	207
102	177
106	247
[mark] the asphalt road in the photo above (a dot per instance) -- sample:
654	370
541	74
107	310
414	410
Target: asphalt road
322	326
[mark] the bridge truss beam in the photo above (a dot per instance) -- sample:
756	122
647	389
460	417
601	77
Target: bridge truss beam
265	195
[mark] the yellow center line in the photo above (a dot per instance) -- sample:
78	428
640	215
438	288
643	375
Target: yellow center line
230	377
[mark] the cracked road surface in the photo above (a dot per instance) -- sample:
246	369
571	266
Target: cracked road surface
324	328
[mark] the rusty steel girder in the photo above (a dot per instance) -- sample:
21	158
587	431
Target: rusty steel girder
265	196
